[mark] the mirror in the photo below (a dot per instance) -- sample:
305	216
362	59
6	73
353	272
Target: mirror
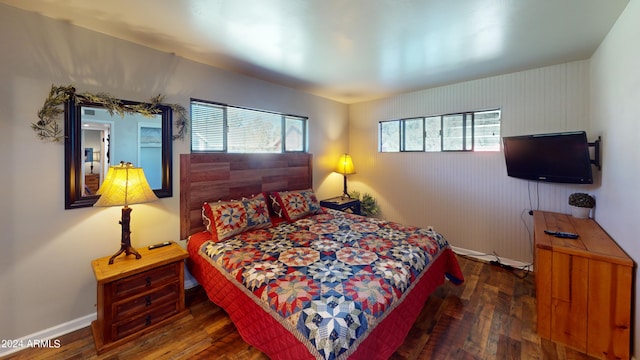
95	140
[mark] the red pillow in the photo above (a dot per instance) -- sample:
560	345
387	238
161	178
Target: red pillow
275	210
298	204
229	218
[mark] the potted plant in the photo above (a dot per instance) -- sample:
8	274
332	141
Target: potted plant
581	204
368	205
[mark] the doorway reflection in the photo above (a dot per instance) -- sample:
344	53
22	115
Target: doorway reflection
95	141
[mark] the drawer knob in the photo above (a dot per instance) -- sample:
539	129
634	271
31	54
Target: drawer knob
148	300
148	320
148	283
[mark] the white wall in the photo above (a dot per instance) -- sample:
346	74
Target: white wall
615	112
468	196
45	251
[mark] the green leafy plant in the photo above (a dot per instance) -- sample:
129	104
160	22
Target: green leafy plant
48	128
368	205
582	200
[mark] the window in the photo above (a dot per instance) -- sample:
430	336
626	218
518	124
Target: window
225	128
468	131
294	133
413	134
390	136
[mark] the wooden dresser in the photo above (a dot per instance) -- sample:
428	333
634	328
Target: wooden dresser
137	296
92	182
583	287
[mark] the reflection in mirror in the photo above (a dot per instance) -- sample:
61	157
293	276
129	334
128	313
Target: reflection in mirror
135	138
94	143
97	140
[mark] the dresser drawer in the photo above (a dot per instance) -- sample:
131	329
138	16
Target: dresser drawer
145	281
126	308
130	326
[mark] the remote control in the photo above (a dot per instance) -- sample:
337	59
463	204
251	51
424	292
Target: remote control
163	244
568	235
562	234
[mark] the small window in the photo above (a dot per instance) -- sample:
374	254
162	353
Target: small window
413	130
389	136
207	127
469	131
487	130
295	129
432	138
224	128
253	131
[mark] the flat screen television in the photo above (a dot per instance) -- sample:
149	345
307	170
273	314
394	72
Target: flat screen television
557	157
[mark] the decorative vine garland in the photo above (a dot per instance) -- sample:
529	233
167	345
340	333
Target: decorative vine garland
49	129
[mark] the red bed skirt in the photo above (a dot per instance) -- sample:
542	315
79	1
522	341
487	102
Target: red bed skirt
261	330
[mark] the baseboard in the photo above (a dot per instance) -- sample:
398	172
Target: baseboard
490	257
48	337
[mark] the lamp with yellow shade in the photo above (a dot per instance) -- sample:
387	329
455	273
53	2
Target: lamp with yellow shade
125	185
345	167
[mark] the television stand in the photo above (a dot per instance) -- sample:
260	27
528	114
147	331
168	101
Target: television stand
583	286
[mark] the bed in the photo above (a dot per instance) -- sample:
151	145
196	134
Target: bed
300	281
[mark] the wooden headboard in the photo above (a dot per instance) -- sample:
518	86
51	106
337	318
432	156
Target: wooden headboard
213	177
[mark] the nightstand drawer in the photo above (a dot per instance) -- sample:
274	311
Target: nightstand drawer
145	281
125	328
126	308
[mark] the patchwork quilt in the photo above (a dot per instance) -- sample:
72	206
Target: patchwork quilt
330	279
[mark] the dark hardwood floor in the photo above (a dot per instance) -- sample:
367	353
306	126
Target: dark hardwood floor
491	316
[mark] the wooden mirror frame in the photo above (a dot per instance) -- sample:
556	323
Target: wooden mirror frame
73	154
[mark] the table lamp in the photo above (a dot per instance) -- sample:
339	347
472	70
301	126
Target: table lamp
345	167
125	185
88	157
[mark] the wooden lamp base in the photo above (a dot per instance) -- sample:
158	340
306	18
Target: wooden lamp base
125	244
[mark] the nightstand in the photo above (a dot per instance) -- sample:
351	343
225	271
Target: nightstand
343	204
137	296
92	182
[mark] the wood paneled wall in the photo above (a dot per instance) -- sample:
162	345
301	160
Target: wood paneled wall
468	196
213	177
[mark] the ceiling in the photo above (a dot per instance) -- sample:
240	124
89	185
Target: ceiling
353	50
